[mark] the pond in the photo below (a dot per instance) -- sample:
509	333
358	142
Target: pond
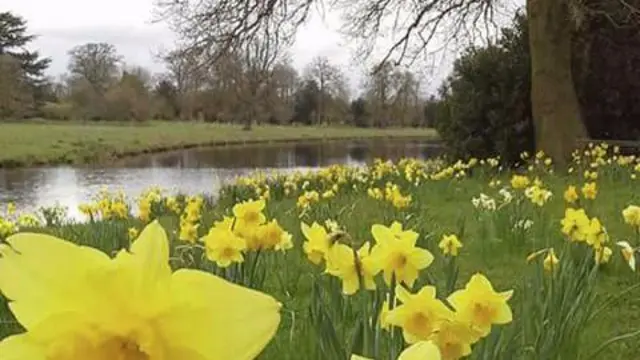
196	170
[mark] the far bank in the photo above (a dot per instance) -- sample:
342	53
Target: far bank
48	143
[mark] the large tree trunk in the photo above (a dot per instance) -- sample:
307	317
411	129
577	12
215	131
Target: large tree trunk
555	107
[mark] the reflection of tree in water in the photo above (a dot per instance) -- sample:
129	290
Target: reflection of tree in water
359	152
431	150
308	154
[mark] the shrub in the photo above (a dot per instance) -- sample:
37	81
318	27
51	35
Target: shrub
57	111
485	107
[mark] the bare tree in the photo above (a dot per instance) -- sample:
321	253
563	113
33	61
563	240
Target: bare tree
184	72
280	92
379	92
95	63
229	25
258	57
329	79
413	26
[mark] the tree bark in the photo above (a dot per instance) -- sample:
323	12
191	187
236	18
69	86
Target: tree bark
555	107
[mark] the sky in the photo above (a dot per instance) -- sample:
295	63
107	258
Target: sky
128	24
62	24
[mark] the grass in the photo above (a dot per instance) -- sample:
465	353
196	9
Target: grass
37	142
438	207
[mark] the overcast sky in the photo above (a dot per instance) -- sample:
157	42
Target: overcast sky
127	24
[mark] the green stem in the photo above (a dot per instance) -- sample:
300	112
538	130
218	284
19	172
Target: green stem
602	347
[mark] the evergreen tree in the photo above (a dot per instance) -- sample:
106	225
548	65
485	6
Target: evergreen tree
13	41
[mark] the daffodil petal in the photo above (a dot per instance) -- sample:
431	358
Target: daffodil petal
219	319
358	357
402	294
504	315
19	347
37	291
381	233
423	350
421	258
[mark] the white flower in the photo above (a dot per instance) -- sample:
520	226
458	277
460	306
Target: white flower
507	197
523	224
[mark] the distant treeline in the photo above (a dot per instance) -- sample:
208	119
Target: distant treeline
100	86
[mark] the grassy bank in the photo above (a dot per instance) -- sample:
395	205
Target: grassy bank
566	312
36	143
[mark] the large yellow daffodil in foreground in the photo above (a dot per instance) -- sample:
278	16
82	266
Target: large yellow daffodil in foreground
77	303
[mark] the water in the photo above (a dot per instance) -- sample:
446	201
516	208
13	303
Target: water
198	170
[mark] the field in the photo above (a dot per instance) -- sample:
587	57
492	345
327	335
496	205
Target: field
579	301
36	142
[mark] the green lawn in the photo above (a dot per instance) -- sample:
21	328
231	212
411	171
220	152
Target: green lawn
542	317
33	143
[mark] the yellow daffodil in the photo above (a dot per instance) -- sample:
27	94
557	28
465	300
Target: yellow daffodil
571	195
519	181
575	224
480	305
450	244
534	255
551	261
631	216
596	234
227	222
537	195
140	310
423	350
454	339
249	214
349	266
272	236
628	253
144	210
369	267
223	246
28	220
188	230
384	313
317	244
133	233
397	254
172	204
603	255
11	208
420	315
590	191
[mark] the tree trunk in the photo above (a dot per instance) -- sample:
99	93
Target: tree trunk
555	107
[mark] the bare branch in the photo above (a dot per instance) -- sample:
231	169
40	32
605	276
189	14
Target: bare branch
408	27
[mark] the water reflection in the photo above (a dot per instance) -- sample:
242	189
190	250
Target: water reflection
197	170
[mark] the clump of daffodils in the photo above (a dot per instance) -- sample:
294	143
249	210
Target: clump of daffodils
248	230
537	195
148	199
474	310
106	206
307	198
590	191
578	227
190	219
484	202
394	253
12	221
393	195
